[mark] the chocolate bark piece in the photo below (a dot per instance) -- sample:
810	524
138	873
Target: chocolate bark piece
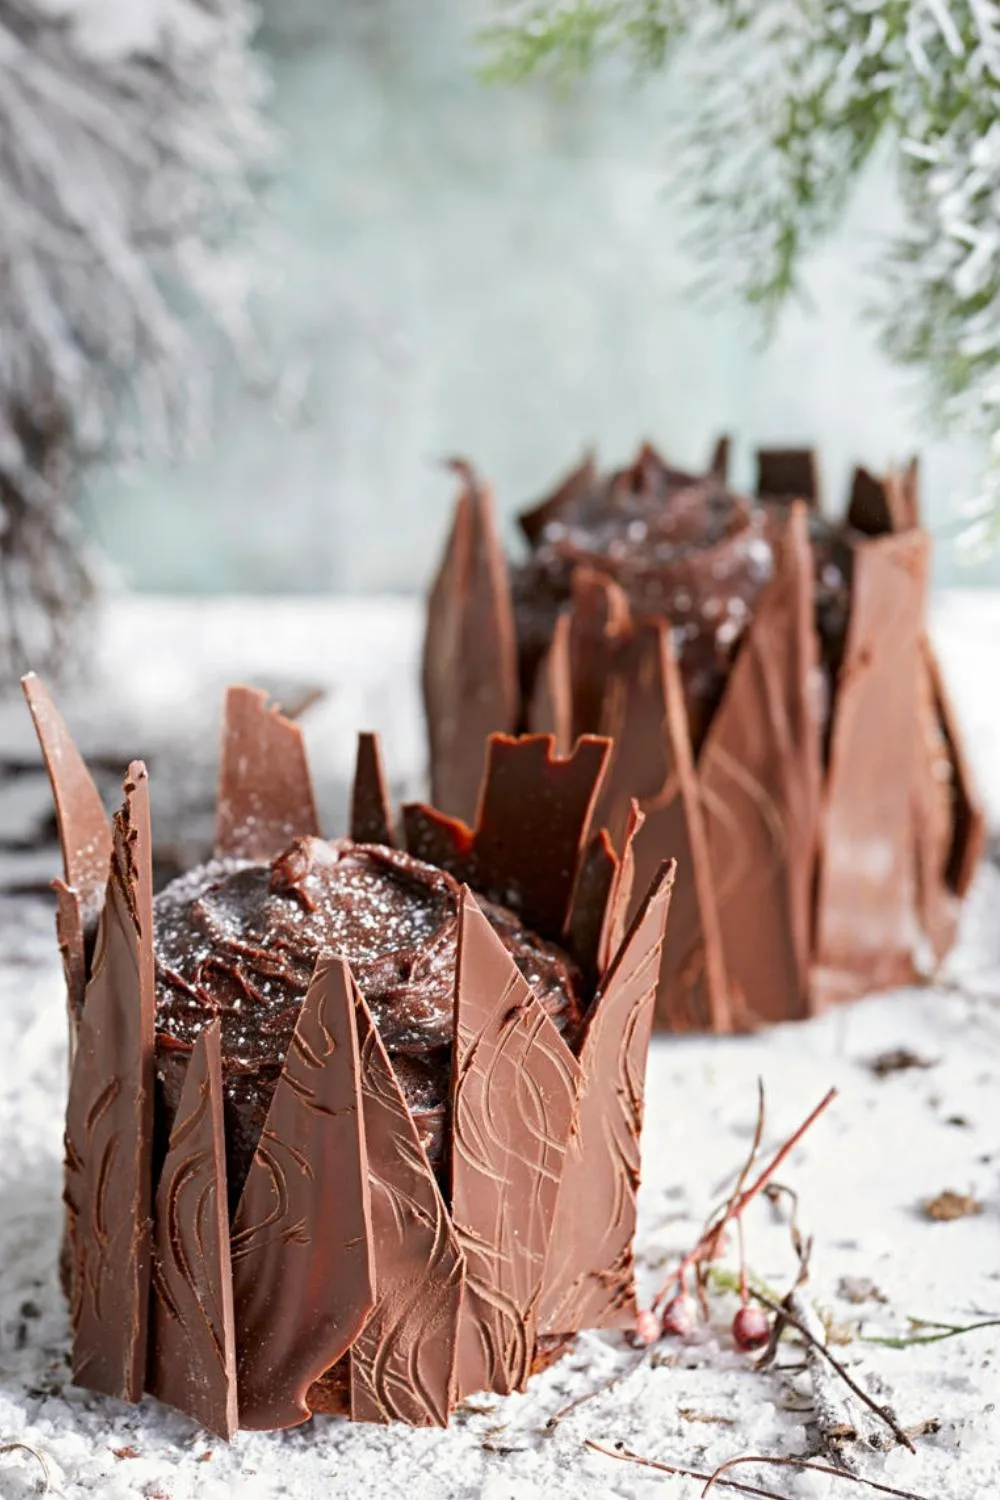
600	620
402	1363
865	916
303	1270
551	708
590	1276
109	1121
577	484
192	1346
878	506
513	1101
760	773
787	474
601	901
265	792
469	671
84	829
371	809
653	760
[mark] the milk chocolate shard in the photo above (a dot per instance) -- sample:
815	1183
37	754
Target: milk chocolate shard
469	670
601	901
265	793
192	1345
534	815
878	505
601	619
760	773
788	474
402	1364
653	760
109	1121
865	915
301	1236
513	1101
371	809
589	1278
551	708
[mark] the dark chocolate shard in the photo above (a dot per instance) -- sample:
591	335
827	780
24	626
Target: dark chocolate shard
109	1121
878	506
787	474
590	1275
574	486
470	676
371	808
84	828
601	901
865	923
514	1086
265	792
601	618
551	708
534	816
653	761
403	1361
719	462
192	1345
301	1239
760	772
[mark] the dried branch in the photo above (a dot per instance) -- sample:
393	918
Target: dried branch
813	1467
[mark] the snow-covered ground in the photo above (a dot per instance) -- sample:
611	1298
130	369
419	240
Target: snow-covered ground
888	1145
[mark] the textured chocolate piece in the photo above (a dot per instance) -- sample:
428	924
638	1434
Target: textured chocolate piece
513	1101
592	897
551	708
787	474
84	829
109	1121
760	773
73	952
576	484
865	917
301	1239
402	1363
469	671
601	619
192	1346
265	792
878	506
590	1274
371	810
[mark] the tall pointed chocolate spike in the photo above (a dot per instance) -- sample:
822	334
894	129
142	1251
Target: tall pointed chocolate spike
865	900
788	474
265	792
601	901
371	808
301	1238
577	484
601	618
878	506
109	1121
551	708
192	1343
590	1276
73	952
514	1085
469	671
760	772
84	828
402	1364
719	462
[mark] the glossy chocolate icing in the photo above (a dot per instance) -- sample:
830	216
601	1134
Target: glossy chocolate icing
240	940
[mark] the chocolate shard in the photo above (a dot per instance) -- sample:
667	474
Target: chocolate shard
73	951
514	1086
192	1346
601	901
788	474
371	808
760	772
265	792
109	1121
653	761
865	921
84	829
301	1237
469	672
534	814
402	1364
582	479
878	506
719	462
601	619
551	708
590	1274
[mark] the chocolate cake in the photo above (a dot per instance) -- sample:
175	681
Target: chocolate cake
764	673
352	1127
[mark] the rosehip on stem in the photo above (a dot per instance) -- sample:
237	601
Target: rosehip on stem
680	1316
751	1328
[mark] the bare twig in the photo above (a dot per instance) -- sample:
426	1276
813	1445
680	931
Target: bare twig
551	1423
626	1456
813	1467
716	1480
37	1454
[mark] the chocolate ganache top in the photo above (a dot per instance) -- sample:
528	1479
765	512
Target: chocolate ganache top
240	940
682	547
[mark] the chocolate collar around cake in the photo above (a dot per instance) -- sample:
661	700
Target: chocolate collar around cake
240	940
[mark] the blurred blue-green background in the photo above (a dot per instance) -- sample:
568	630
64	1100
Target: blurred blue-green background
496	272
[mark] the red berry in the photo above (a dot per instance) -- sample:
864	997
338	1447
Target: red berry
680	1316
647	1328
751	1328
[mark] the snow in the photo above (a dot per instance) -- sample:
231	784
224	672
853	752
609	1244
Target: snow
885	1147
